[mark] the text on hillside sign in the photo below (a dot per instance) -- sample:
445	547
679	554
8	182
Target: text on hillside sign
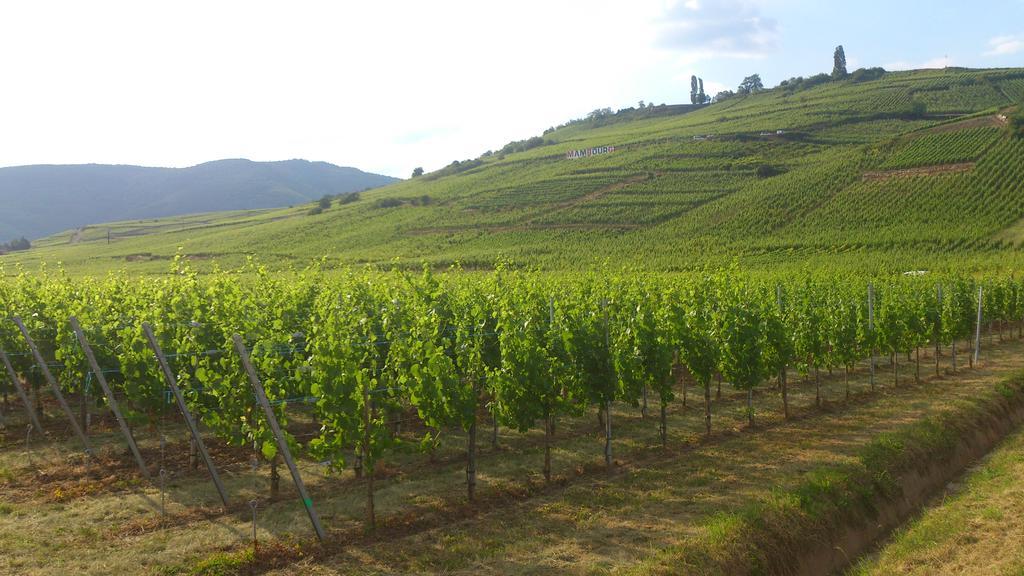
573	154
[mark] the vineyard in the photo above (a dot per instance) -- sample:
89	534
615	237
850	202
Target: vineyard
370	364
943	148
733	336
759	179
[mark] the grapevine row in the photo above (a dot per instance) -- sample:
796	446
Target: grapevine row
519	348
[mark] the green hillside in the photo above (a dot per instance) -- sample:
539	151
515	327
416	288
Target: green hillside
913	170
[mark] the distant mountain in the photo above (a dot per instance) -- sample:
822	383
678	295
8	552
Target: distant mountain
44	199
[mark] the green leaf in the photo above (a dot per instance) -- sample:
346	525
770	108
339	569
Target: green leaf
269	449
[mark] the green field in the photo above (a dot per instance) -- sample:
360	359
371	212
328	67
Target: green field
677	193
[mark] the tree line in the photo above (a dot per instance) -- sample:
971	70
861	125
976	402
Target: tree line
15	245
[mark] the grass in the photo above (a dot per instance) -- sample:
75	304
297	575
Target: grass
974	528
589	521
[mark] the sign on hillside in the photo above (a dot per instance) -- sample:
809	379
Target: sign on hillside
586	153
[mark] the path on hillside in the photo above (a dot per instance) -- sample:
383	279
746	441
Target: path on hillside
993	120
933	170
532	224
596	194
526	226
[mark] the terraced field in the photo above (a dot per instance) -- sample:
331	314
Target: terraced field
776	178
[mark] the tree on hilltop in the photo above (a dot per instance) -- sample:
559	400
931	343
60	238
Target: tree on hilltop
839	69
693	89
702	98
15	245
751	85
724	95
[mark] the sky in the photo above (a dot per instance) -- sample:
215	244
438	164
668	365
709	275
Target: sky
387	86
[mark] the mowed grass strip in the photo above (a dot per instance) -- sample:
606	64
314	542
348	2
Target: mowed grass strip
977	528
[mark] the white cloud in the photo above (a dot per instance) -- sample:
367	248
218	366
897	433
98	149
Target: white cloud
943	62
696	31
1005	45
711	87
938	62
